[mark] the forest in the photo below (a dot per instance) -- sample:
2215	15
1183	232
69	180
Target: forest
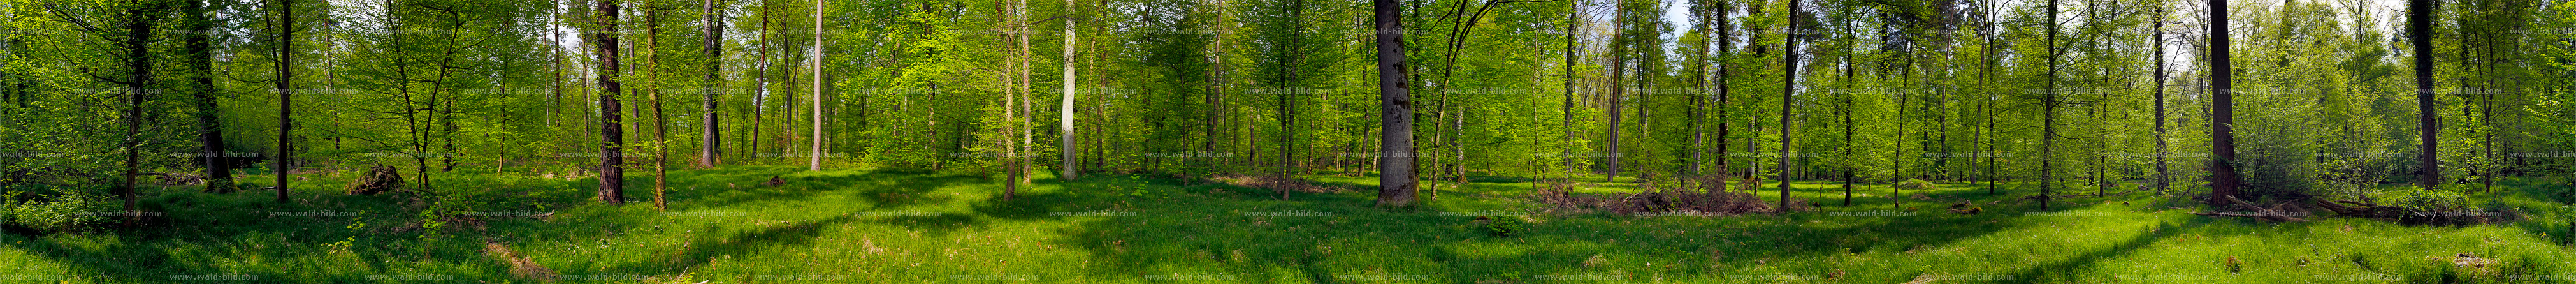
1298	141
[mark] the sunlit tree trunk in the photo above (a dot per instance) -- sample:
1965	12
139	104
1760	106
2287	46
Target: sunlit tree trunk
1395	137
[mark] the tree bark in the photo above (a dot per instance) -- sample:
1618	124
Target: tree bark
2222	110
1788	91
1618	81
285	93
1395	103
201	84
612	172
2048	112
1064	116
2163	175
709	147
814	161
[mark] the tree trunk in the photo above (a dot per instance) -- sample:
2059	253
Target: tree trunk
201	84
661	123
612	172
1618	80
2048	112
1064	117
1725	42
1395	138
2163	174
285	92
709	148
1788	91
1573	17
138	23
814	159
2222	109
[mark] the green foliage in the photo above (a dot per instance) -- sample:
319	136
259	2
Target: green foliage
67	211
1505	226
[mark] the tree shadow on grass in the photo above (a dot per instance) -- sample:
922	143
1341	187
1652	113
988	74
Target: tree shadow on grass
1351	241
239	237
741	243
2063	271
883	189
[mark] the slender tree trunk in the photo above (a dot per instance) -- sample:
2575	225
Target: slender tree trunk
138	23
661	122
1846	109
709	147
1573	17
1788	91
285	80
2163	174
1699	95
1618	81
814	161
2048	112
1395	138
760	92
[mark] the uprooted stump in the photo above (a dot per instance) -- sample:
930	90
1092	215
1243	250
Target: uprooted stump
377	180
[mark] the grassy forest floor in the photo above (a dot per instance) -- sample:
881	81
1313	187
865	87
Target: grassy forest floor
867	226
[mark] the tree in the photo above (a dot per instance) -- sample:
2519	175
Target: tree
612	171
2163	178
814	162
201	84
2419	32
1395	136
1725	43
1619	43
2048	111
1788	91
285	26
1064	118
2222	108
1573	17
708	146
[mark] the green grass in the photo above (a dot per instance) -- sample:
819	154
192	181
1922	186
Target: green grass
885	226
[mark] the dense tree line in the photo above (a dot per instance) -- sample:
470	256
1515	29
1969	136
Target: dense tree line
2070	95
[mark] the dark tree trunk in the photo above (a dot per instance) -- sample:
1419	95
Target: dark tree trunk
285	93
2048	114
2163	175
2419	22
2222	109
1725	42
201	84
612	172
